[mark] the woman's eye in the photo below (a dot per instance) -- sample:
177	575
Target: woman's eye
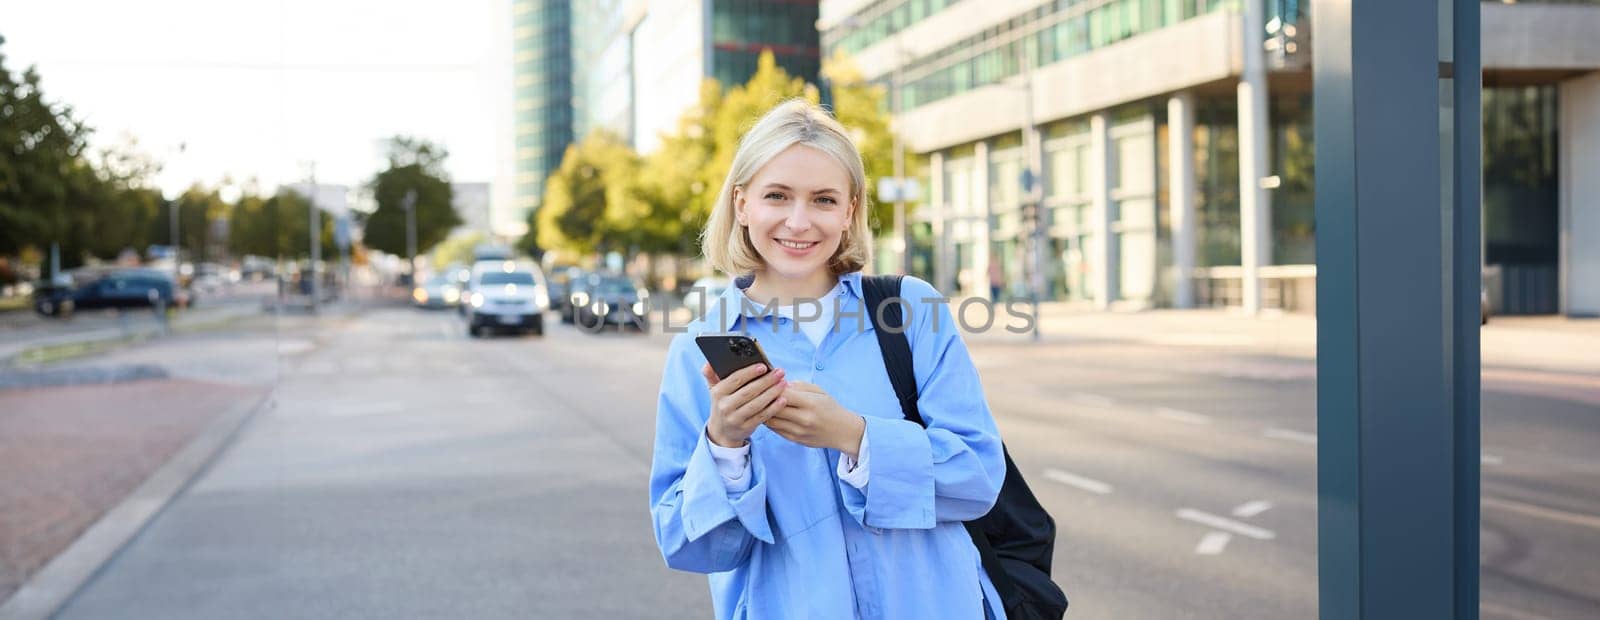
827	200
774	196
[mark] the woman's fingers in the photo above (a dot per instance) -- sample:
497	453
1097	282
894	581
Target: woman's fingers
711	375
738	379
757	404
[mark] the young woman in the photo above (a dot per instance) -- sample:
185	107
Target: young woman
802	491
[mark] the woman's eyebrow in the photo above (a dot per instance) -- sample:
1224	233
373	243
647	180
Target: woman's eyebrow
825	190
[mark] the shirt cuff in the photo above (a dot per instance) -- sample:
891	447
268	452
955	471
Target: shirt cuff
733	464
855	471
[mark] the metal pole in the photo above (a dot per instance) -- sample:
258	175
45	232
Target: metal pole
177	252
316	238
1035	189
410	204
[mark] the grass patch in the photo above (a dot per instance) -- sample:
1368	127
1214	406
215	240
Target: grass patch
14	303
52	353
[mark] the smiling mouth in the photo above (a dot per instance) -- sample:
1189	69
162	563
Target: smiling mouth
795	245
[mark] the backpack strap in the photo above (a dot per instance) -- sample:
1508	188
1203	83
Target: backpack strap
875	290
896	347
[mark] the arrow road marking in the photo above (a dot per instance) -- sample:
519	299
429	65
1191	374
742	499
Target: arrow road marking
1212	543
1226	524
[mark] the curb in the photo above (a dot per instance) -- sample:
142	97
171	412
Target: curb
48	591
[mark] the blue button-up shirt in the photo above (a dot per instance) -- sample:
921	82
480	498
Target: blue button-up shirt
800	543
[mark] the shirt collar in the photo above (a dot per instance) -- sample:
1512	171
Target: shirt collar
734	295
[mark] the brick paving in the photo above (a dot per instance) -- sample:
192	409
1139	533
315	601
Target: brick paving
69	454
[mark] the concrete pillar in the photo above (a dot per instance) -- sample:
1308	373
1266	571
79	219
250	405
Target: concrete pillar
1103	249
1181	194
1255	205
982	227
1579	133
938	199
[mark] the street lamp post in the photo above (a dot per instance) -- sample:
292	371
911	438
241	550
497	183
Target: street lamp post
172	216
410	205
902	240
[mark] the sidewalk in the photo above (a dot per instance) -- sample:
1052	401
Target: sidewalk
1540	343
72	453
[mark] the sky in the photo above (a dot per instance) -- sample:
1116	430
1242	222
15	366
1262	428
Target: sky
274	89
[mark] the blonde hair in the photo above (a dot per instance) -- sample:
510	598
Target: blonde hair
727	243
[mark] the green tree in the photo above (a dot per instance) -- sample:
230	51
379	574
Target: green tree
251	229
43	174
416	168
590	198
529	242
198	207
674	179
456	249
742	106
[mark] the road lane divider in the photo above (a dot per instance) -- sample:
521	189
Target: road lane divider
1079	482
1252	508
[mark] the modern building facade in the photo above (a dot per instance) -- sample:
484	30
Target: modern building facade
675	44
542	95
1171	144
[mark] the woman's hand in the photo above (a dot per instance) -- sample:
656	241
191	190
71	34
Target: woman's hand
742	402
814	419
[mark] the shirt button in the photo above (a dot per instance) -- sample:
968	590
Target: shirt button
818	366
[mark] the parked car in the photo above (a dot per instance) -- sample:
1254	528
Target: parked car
506	295
438	291
703	292
121	288
611	300
561	282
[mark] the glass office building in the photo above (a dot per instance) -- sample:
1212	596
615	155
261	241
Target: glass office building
677	43
542	94
1131	223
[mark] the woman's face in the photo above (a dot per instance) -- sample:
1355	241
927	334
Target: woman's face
797	209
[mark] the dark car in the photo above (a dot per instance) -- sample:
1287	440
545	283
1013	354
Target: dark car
124	288
611	300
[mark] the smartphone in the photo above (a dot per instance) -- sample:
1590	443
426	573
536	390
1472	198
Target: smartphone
729	353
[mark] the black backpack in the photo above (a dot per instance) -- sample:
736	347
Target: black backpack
1017	538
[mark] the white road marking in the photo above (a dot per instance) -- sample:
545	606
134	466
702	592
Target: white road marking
1073	480
1092	400
1251	509
1223	523
1180	415
1490	459
1286	434
1213	543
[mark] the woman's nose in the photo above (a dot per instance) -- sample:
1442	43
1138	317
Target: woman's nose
798	220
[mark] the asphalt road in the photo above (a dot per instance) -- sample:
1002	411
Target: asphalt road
406	470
